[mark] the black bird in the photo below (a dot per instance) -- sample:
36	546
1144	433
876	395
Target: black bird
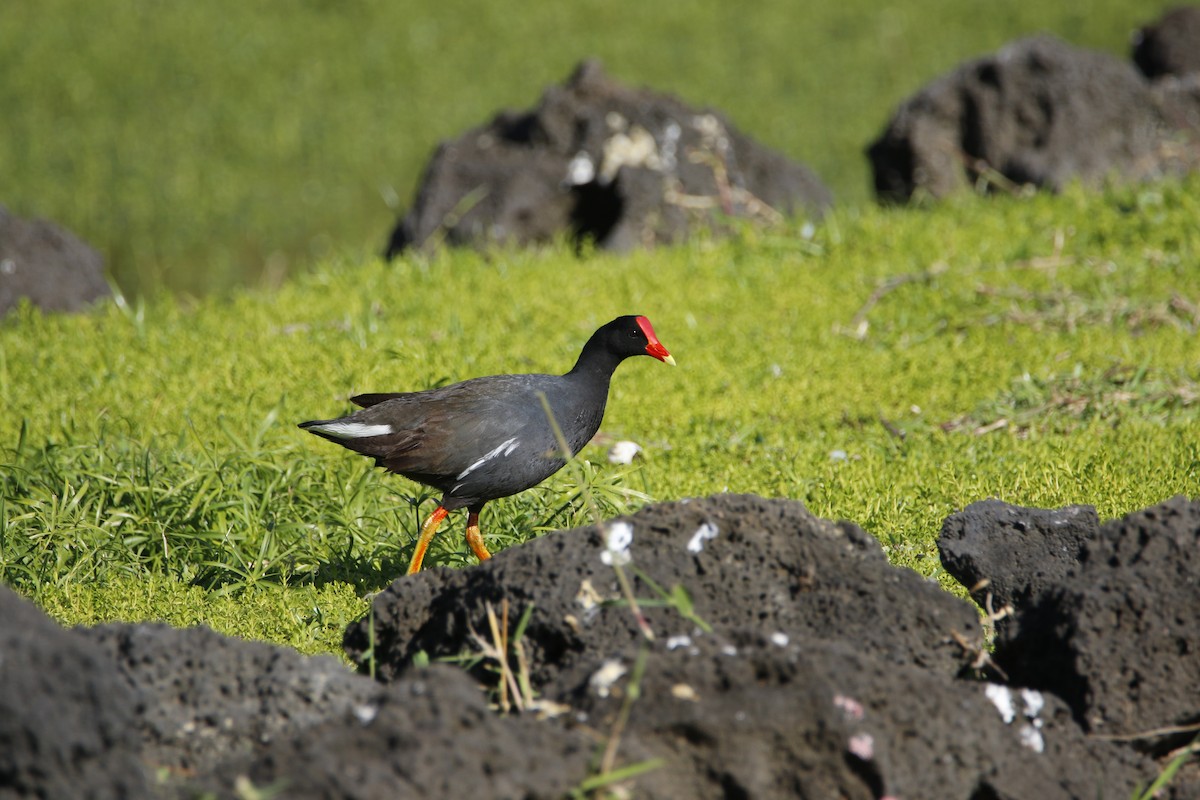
489	437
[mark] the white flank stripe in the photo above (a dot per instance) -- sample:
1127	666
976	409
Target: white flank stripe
504	448
353	430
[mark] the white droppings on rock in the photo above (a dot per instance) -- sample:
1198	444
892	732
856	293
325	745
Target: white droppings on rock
862	745
617	539
703	533
779	638
587	597
581	169
602	680
623	452
681	691
1002	699
1031	737
729	650
849	706
365	713
682	640
1034	702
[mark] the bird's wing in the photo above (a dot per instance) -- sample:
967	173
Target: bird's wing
368	400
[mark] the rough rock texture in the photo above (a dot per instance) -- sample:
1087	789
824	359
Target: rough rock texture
1038	112
47	264
66	720
597	160
428	735
818	719
1019	552
1117	639
1171	45
203	697
753	568
826	672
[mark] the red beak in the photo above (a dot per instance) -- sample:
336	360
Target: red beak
654	346
658	351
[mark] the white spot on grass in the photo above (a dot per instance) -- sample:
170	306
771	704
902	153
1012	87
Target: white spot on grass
617	540
623	452
703	533
779	639
353	430
602	680
838	455
504	448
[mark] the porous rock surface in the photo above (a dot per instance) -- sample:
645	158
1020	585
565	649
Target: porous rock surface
1039	112
66	719
1170	45
827	672
1115	636
754	568
804	665
598	160
51	267
1011	553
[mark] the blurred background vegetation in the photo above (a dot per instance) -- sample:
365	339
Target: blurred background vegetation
202	146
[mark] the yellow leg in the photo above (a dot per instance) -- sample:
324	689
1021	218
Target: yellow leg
475	538
427	531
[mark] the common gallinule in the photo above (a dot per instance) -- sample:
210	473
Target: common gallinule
489	437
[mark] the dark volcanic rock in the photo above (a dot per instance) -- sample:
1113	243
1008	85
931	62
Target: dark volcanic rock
1019	552
1170	46
1038	112
204	698
66	719
598	160
819	719
50	266
754	568
428	735
827	673
1118	638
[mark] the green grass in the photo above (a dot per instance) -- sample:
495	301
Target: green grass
890	369
201	146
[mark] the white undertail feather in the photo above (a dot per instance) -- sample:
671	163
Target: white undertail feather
504	448
353	430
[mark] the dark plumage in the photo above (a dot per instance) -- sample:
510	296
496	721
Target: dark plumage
489	437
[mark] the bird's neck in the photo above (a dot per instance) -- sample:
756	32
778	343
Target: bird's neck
595	366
